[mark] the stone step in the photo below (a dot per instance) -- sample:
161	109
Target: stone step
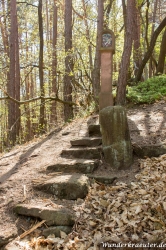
87	141
58	215
94	130
74	165
106	180
66	186
149	150
83	153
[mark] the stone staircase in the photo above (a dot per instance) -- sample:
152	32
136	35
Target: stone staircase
71	179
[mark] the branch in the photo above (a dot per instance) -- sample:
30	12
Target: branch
28	4
8	97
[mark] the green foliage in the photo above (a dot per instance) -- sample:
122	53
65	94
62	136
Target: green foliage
149	91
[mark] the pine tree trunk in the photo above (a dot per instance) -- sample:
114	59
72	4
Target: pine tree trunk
42	92
97	60
68	78
13	87
161	61
123	74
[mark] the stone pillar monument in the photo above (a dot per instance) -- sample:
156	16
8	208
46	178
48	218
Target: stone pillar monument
116	142
107	50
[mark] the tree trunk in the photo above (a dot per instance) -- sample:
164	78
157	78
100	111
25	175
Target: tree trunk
13	87
42	92
97	60
68	78
136	38
54	64
123	74
161	61
150	50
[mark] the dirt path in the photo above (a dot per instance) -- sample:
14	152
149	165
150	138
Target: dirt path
28	162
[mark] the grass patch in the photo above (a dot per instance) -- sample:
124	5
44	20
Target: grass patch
149	91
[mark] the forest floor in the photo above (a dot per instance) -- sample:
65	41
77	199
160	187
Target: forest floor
24	163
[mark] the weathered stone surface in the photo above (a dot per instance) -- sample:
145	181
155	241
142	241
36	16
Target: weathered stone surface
56	230
66	186
73	165
115	137
103	179
83	153
94	130
149	150
6	237
87	141
53	216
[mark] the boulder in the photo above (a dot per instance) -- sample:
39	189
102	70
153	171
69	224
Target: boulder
117	146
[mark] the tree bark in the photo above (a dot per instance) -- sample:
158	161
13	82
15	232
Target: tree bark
150	50
13	86
54	64
97	60
41	76
136	38
123	74
68	78
161	61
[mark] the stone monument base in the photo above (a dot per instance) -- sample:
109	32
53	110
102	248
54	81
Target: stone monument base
117	146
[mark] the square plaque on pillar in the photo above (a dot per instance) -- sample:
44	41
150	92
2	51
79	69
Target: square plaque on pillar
108	40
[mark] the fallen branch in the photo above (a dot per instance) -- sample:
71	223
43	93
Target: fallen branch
32	229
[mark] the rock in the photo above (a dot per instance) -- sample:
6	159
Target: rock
53	216
94	130
87	141
67	186
149	150
6	237
56	230
83	153
77	166
115	137
103	179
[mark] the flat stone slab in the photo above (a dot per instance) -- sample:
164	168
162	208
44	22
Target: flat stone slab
74	165
6	237
87	141
53	216
69	186
94	130
83	153
56	230
149	150
102	179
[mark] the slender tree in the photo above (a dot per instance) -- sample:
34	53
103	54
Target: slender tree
162	55
97	60
13	87
150	50
54	63
41	75
123	74
68	78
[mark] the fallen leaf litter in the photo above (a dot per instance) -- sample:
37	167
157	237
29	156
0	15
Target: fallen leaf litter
121	213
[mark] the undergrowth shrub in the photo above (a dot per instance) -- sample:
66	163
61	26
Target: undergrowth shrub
148	91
